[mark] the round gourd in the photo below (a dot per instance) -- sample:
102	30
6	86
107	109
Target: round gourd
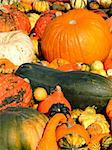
78	3
40	6
21	128
12	19
17	47
77	36
15	91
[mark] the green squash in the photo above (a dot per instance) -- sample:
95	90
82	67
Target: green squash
81	88
21	128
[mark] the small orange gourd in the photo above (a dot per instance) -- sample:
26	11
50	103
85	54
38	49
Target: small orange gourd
56	97
63	130
48	141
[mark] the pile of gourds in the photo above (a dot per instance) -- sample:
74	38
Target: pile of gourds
55	74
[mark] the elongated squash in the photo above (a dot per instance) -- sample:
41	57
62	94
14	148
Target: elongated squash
81	88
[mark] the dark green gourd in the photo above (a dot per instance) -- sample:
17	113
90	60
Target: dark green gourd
81	88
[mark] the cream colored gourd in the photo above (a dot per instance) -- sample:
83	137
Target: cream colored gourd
78	3
17	47
105	3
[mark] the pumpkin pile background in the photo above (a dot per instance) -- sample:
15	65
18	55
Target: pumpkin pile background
56	74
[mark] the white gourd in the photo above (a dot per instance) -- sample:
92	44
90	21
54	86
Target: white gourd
17	47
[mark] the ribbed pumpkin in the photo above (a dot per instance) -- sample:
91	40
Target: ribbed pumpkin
21	128
15	91
13	19
77	36
43	21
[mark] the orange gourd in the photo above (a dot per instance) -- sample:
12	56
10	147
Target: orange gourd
12	19
14	91
63	130
48	141
77	36
58	62
56	97
94	143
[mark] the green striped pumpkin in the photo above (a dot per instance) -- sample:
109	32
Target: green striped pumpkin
21	128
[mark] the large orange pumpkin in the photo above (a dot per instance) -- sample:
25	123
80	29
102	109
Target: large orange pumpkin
77	36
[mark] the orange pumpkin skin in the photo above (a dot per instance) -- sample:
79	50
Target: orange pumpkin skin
77	36
12	19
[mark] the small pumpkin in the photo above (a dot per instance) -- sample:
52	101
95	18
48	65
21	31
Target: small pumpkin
40	6
12	19
22	128
15	91
64	37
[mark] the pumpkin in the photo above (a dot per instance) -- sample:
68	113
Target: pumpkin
40	6
109	22
13	19
105	3
15	91
17	47
43	21
21	128
78	3
74	38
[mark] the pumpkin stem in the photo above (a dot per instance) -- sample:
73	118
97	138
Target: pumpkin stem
72	22
48	141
